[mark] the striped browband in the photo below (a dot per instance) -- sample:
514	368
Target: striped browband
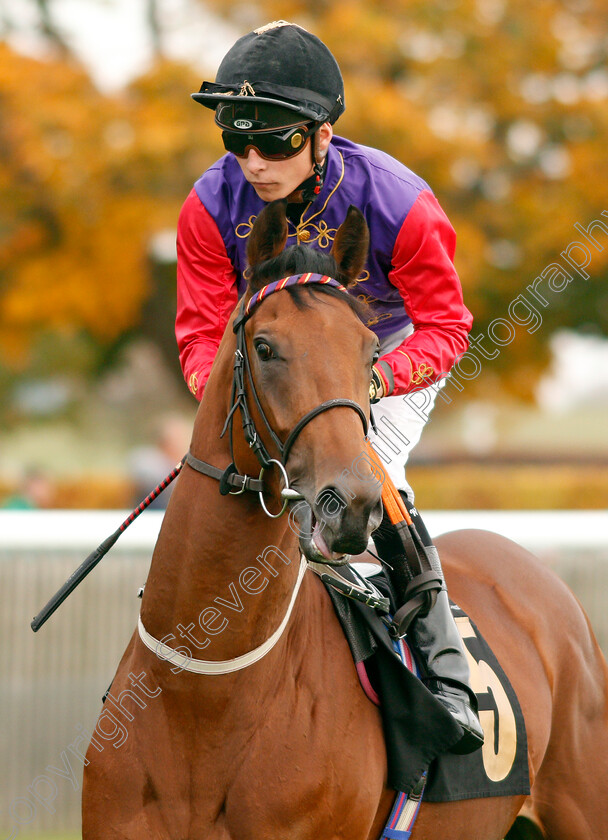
285	283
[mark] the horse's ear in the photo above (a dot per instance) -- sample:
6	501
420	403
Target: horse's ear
351	244
269	233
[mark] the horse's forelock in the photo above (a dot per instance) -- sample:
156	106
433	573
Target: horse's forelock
298	259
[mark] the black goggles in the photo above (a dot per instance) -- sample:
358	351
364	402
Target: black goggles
275	145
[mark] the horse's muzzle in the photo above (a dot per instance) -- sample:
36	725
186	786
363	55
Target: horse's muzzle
335	526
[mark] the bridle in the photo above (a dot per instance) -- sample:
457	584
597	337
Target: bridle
231	481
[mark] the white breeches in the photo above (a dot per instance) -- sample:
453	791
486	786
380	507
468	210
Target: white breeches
400	421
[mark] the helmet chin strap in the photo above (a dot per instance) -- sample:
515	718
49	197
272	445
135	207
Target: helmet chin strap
312	186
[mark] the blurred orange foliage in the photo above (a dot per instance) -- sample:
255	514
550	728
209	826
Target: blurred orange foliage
86	180
500	106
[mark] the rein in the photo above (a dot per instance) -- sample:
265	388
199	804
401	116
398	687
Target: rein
231	478
231	481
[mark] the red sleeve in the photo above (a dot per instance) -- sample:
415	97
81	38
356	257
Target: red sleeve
206	292
423	271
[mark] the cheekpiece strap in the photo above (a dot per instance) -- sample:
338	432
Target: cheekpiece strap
230	478
285	283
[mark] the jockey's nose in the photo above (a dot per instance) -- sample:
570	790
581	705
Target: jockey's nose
254	161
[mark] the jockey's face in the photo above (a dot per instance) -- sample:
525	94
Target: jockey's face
272	179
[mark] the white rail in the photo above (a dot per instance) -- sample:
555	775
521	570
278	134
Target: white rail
84	530
51	682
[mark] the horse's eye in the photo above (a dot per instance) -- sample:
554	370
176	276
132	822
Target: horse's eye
376	356
264	351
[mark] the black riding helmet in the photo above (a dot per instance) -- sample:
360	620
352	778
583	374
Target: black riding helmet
272	79
279	64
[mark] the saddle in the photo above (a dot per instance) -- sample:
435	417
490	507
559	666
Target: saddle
417	728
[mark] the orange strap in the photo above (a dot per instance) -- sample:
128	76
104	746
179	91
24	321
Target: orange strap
391	498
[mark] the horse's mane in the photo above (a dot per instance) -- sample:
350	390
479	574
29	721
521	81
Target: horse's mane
299	259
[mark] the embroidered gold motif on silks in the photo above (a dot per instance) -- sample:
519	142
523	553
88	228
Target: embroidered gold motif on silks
363	278
324	237
367	299
193	382
424	371
377	318
324	234
245	228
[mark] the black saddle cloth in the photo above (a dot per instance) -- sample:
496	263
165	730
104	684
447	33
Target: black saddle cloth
418	729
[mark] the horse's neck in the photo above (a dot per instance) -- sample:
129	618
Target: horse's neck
222	572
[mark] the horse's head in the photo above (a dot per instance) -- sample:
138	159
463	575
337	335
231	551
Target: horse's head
308	348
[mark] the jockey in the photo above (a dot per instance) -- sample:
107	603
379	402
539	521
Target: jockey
277	94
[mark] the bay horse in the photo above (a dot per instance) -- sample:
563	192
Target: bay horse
289	745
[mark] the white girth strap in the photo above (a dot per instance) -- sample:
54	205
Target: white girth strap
226	666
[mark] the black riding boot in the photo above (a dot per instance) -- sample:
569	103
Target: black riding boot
432	630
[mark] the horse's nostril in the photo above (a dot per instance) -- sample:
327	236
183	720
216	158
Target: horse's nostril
330	503
347	518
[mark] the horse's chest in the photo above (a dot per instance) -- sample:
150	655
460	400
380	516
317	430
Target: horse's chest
303	774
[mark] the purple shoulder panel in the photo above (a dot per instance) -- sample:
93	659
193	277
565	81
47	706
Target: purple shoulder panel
381	187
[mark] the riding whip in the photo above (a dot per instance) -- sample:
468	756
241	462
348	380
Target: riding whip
95	556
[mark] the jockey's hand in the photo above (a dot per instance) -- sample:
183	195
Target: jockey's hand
376	387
